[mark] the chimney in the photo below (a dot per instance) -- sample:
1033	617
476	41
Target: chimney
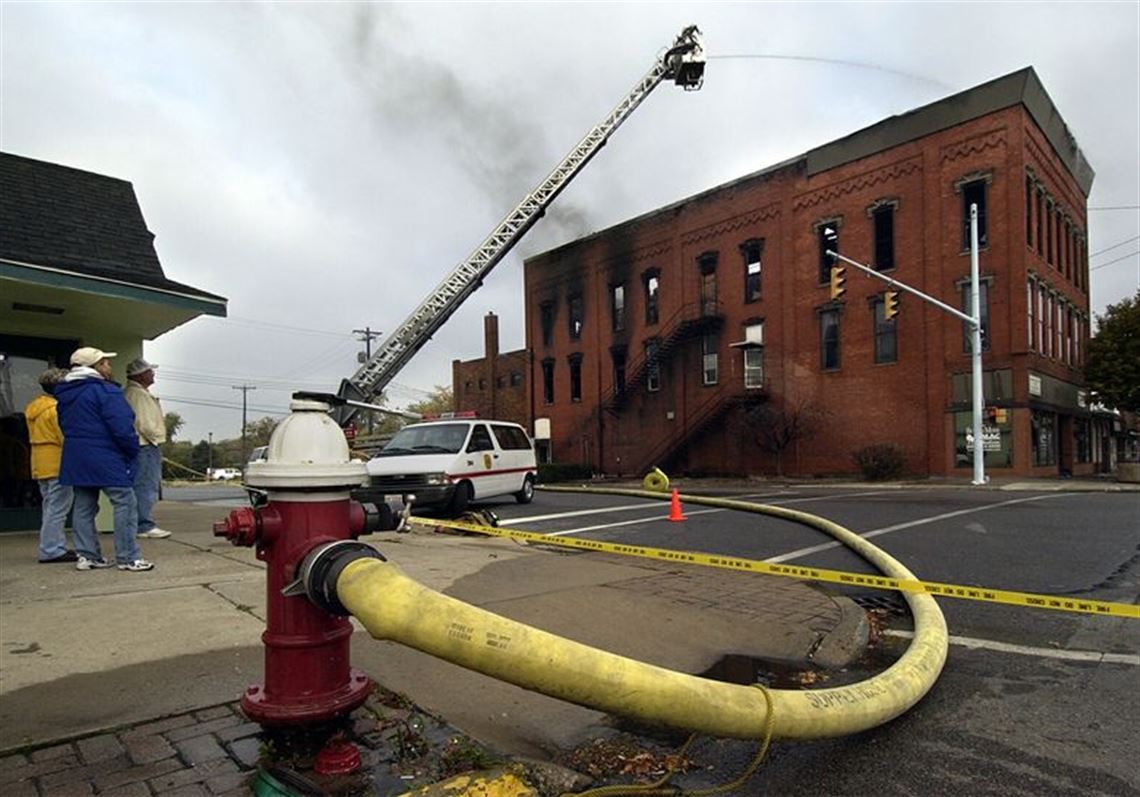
491	335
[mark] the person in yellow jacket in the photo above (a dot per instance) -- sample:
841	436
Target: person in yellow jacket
47	446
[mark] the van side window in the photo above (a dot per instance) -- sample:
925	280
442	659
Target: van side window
480	439
511	438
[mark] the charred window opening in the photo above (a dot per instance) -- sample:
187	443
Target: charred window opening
548	381
706	264
546	311
752	251
575	317
618	354
617	307
652	287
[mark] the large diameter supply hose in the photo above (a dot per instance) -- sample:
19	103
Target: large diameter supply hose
394	607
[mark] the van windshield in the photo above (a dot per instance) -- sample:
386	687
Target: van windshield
439	438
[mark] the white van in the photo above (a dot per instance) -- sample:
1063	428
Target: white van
448	463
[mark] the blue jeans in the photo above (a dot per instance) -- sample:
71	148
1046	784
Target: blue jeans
55	506
85	508
148	478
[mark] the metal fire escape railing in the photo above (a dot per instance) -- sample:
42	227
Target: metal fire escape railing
683	63
688	320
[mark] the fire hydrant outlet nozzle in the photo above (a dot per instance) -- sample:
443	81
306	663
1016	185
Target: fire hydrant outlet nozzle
241	527
321	568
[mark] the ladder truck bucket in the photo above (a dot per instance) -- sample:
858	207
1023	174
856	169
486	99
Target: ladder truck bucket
686	59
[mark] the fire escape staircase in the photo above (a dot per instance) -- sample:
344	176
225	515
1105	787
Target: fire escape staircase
711	410
689	321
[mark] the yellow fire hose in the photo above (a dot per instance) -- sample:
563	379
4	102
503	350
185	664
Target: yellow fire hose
394	607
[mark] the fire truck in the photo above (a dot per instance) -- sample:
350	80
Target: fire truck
683	63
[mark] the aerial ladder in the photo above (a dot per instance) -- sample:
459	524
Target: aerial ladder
683	63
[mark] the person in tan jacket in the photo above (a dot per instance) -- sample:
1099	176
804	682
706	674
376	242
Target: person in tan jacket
47	447
151	426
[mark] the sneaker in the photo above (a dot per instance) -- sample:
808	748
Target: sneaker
137	565
84	563
154	534
66	556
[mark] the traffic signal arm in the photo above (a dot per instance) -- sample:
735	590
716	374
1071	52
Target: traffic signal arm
894	283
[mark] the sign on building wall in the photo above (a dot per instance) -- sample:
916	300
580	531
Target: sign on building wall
997	440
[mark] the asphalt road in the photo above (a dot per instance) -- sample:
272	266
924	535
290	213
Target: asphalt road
1013	712
1014	721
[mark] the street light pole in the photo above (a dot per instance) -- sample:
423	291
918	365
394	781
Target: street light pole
976	350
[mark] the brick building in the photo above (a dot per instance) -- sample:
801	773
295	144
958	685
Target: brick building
495	385
687	336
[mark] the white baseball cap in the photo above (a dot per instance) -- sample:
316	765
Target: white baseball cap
89	355
139	366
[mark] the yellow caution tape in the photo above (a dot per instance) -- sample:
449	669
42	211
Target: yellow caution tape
984	594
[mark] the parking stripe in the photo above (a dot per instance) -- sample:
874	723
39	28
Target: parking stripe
802	552
1024	650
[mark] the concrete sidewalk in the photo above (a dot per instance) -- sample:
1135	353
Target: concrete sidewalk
93	662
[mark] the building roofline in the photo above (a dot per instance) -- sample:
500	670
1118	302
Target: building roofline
173	294
1021	87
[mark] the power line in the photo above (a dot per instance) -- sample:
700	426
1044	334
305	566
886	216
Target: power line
1115	246
1117	207
1116	260
220	404
285	327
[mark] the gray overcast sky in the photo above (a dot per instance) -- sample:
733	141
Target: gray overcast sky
324	165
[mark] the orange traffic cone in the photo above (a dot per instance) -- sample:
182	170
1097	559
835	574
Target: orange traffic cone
675	507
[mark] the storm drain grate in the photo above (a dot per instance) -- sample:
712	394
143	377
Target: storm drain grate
888	603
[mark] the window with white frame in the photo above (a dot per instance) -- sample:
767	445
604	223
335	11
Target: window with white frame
710	345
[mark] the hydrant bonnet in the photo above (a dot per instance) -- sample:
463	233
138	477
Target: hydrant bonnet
307	450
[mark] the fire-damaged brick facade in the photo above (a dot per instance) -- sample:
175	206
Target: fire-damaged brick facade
701	337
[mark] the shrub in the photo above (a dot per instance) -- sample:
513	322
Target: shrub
550	472
880	461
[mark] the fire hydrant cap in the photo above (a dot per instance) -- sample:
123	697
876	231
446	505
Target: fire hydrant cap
307	450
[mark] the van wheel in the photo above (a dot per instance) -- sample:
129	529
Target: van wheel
526	494
461	498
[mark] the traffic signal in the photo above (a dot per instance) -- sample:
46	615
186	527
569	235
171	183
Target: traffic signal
838	282
890	304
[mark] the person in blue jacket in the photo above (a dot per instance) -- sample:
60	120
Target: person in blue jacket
100	446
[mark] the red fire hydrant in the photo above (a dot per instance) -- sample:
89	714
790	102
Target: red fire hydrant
306	478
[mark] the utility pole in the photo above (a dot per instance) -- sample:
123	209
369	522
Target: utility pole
244	393
210	456
974	320
368	335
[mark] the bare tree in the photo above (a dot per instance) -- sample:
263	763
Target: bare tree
775	428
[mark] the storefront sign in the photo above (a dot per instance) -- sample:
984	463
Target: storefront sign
991	439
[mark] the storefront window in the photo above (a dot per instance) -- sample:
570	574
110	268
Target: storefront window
997	441
1044	438
1083	440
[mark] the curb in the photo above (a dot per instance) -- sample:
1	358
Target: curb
845	643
